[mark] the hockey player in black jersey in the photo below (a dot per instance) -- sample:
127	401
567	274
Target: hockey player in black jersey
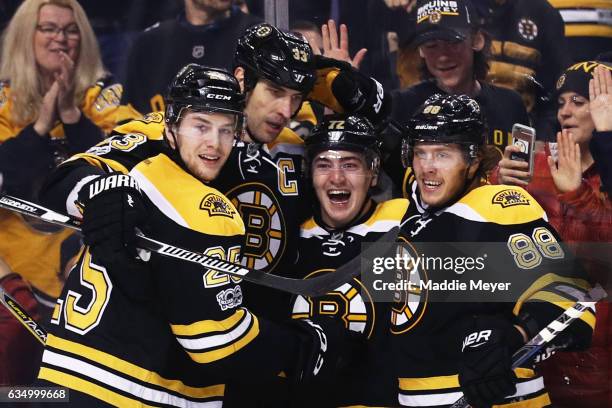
263	176
445	350
343	157
134	329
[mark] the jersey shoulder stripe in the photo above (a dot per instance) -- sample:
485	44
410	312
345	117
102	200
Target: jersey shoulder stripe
151	126
499	204
286	142
194	206
310	228
387	215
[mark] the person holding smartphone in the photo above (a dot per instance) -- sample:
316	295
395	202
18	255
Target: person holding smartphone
567	183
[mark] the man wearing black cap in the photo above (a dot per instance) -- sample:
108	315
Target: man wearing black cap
455	53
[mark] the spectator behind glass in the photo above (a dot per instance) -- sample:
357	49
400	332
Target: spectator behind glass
206	33
54	102
528	53
588	27
566	182
454	52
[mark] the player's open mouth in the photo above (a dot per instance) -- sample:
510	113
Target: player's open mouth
431	184
276	126
208	158
339	196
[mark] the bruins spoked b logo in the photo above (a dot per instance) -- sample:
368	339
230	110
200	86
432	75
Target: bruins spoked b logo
350	303
264	224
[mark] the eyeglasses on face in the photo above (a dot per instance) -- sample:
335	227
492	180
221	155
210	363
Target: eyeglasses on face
71	31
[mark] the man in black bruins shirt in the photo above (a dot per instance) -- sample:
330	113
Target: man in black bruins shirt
205	33
454	51
453	343
343	159
132	328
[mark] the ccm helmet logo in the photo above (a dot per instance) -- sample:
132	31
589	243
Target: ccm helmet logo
215	96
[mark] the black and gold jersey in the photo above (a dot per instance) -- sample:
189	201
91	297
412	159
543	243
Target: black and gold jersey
510	243
160	332
588	27
265	183
502	108
528	42
322	250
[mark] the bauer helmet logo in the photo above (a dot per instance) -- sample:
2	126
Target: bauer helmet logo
509	198
216	205
263	31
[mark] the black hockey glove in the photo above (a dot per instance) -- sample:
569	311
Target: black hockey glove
356	92
112	207
485	374
327	347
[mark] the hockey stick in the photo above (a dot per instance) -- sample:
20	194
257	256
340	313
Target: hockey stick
313	287
24	317
548	333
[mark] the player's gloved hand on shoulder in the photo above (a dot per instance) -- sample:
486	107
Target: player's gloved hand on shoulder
112	207
485	373
355	92
327	347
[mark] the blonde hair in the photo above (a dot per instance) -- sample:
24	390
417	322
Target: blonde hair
18	62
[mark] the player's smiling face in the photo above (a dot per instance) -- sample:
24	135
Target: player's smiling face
341	180
49	44
269	108
452	63
204	141
441	171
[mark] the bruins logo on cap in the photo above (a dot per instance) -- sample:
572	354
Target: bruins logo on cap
560	81
216	205
435	17
153	117
509	198
263	31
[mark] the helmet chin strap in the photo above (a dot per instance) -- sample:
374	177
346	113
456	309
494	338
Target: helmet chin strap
174	152
455	197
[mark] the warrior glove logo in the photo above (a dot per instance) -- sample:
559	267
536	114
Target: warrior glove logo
110	182
214	204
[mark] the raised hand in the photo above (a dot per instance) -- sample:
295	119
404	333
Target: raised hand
67	110
339	49
600	96
407	5
567	172
514	172
48	111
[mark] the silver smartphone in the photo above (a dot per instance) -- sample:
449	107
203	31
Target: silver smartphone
524	137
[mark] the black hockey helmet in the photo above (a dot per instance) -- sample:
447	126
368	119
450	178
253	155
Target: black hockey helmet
345	132
446	119
201	88
284	58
